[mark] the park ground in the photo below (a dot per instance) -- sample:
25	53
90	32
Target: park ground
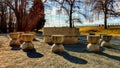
75	56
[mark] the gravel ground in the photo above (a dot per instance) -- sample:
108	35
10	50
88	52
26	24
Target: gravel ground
75	56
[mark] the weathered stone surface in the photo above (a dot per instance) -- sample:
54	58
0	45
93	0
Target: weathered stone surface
27	38
93	47
93	38
105	44
20	33
14	39
61	31
14	35
34	33
14	42
71	34
57	39
57	48
100	41
106	38
106	41
27	46
20	37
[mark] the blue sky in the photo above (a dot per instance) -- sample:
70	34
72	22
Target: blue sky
54	19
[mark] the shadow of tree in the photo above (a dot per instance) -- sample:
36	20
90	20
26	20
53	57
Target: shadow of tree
33	54
109	56
72	59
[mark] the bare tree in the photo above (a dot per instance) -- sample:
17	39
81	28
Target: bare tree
107	7
71	6
3	10
19	8
27	17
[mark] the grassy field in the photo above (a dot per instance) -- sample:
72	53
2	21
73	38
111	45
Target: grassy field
112	30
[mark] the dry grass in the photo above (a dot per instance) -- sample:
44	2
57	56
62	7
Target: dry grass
113	30
75	56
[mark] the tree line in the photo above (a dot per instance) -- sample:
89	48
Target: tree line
106	8
27	15
21	15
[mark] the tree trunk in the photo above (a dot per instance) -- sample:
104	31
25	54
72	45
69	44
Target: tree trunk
105	21
70	18
4	26
105	15
10	21
19	21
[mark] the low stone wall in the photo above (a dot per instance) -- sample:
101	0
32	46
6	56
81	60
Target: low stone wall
71	34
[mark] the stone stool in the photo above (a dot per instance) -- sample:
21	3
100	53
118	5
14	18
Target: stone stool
101	40
92	46
20	37
32	33
57	46
27	44
106	39
14	39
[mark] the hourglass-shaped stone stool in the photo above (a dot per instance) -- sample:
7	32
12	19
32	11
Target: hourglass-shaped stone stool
106	40
20	37
57	46
14	39
101	40
92	46
27	44
32	33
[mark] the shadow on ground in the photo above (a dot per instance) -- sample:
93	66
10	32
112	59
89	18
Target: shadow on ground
15	48
109	56
72	59
81	46
115	47
76	47
33	54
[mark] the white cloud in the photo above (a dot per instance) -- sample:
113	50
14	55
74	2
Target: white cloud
53	12
56	23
